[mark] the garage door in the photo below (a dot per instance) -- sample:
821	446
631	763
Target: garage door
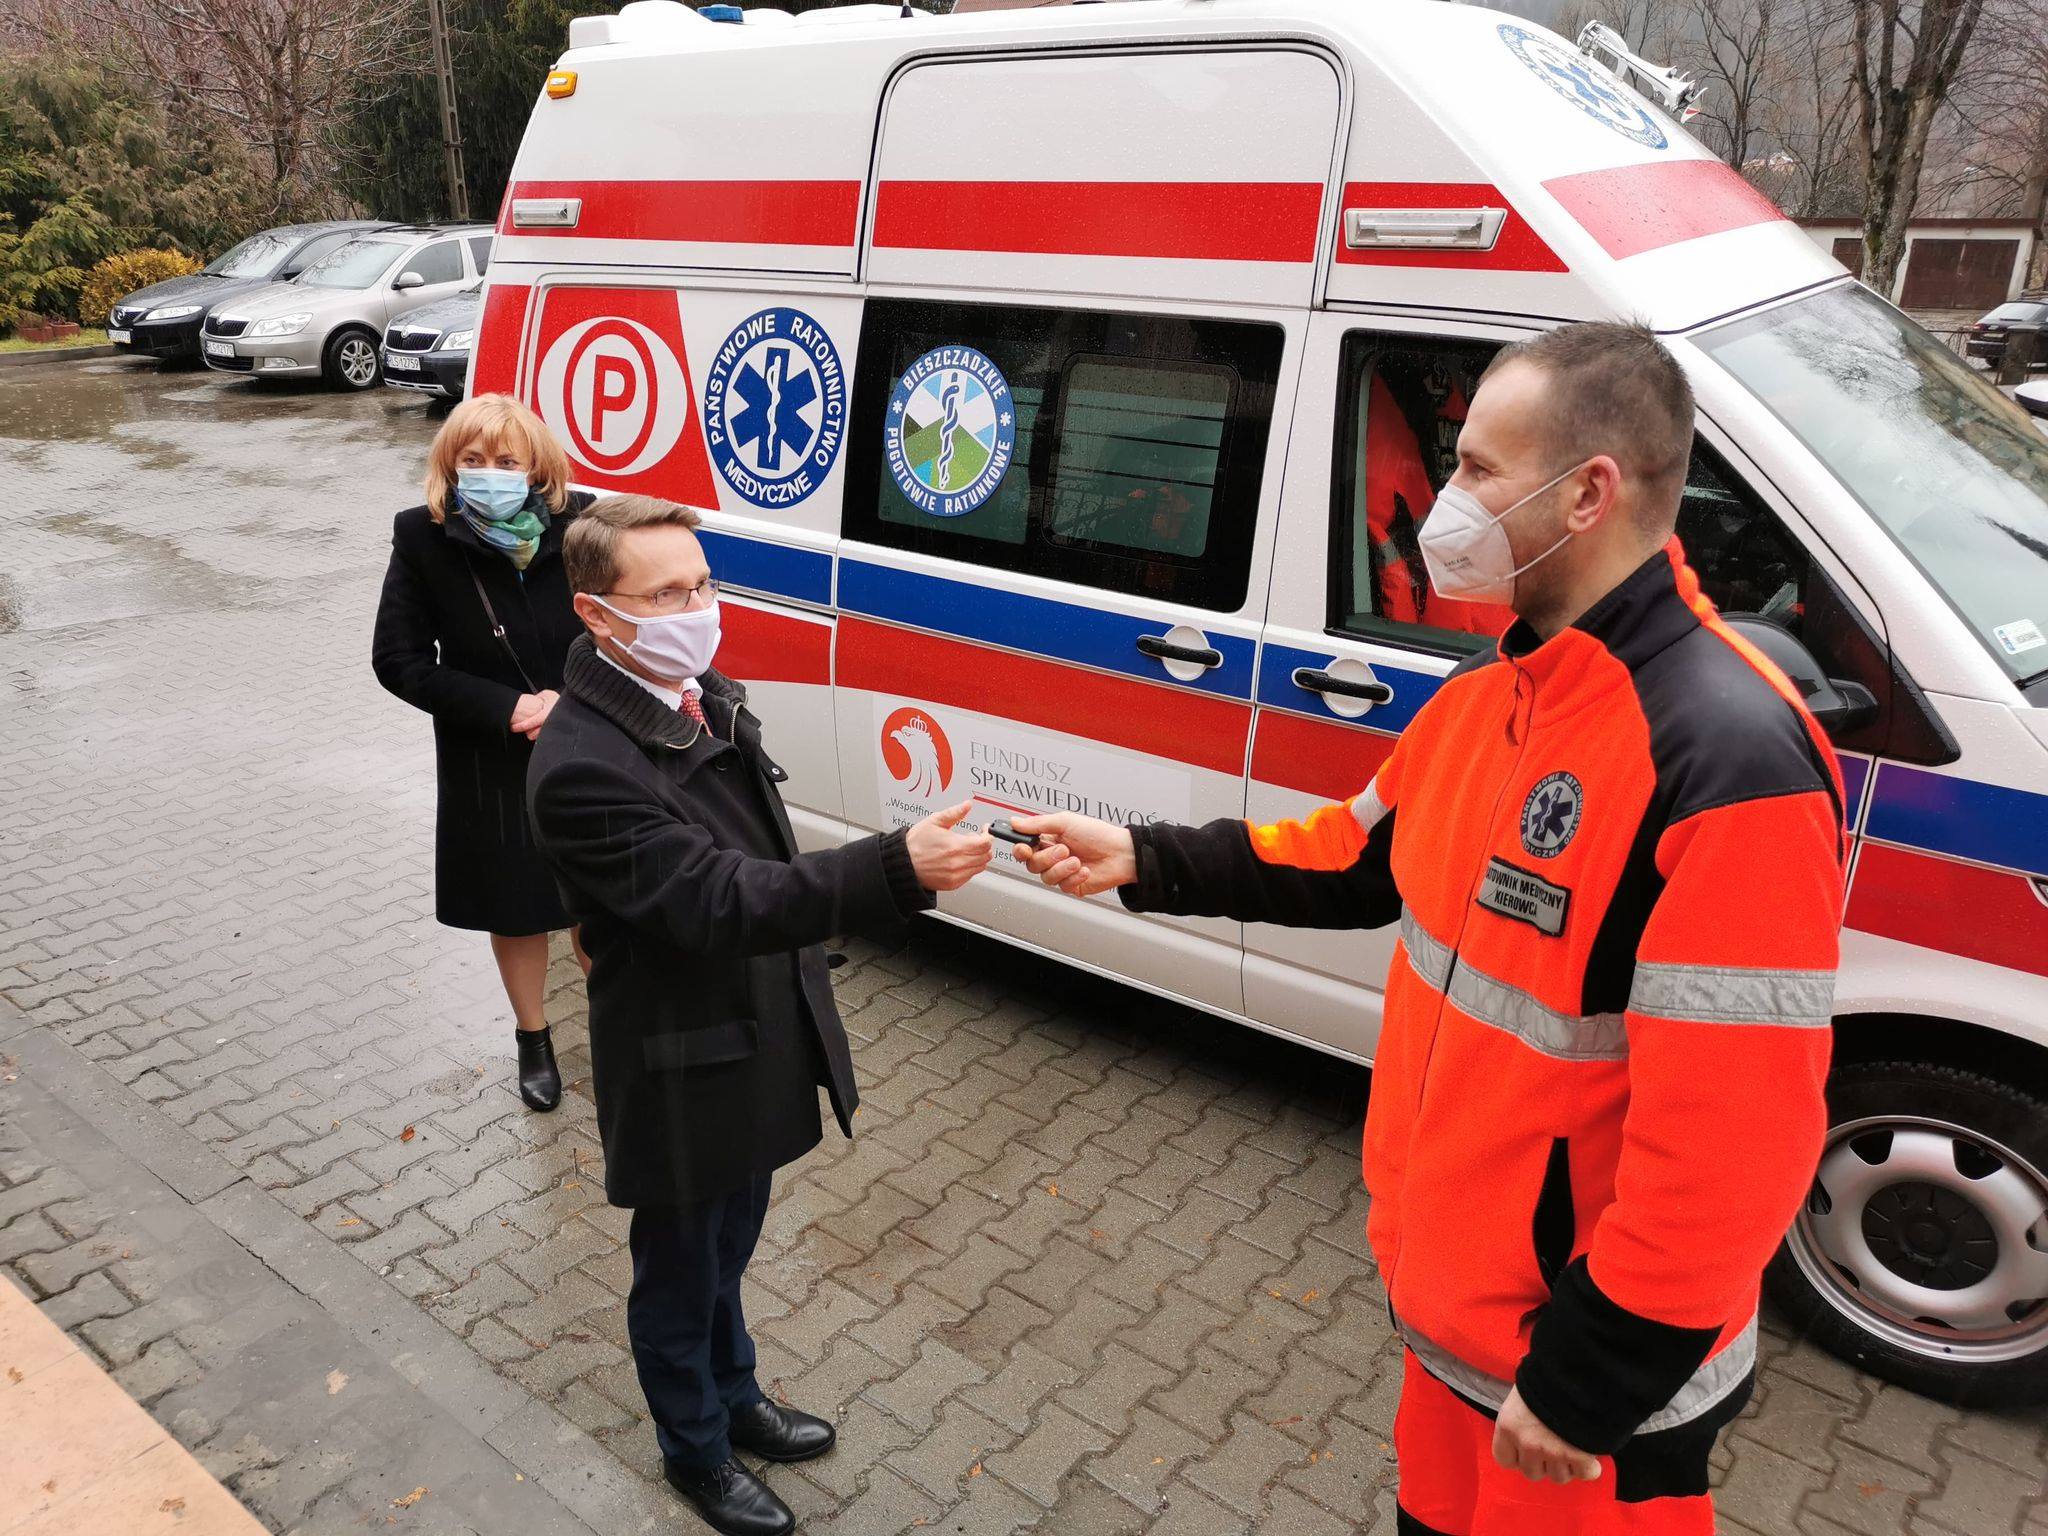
1958	274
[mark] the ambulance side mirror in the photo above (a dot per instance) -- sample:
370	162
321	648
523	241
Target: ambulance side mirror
1839	705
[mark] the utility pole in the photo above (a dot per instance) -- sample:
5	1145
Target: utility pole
451	128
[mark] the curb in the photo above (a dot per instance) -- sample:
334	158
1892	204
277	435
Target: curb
56	355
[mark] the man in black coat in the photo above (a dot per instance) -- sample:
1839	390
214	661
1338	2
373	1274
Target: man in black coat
712	1023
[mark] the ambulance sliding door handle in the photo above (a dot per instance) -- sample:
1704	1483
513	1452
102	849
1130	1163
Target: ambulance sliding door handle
1315	680
1162	649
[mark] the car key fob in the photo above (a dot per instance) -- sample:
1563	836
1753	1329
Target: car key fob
1003	832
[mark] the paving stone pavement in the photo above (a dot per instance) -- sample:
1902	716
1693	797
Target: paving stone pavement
1093	1265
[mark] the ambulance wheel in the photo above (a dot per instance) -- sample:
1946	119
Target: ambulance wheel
1921	1253
352	361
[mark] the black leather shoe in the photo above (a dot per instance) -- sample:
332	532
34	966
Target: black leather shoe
540	1080
775	1433
731	1499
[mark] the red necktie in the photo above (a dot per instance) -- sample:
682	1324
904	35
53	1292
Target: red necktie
693	707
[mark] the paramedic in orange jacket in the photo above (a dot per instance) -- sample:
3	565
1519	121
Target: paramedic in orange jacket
1614	846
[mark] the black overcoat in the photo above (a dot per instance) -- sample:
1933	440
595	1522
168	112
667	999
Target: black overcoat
712	1023
433	648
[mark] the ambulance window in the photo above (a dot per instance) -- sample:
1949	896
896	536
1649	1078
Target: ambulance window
1400	406
1115	451
1134	466
1746	561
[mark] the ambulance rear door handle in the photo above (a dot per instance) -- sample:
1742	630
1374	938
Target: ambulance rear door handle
1315	680
1166	650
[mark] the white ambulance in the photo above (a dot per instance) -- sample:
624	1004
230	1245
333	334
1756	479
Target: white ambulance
1065	386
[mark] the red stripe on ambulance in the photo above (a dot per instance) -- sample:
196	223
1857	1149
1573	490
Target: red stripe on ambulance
1331	762
702	212
1192	220
1965	909
1188	727
1631	209
1518	249
495	368
758	645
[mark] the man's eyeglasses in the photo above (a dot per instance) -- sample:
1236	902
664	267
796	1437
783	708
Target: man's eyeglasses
670	600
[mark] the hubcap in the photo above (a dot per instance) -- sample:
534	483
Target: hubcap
1931	1237
358	362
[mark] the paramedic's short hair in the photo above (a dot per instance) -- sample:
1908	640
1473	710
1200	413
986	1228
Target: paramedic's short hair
590	549
1618	391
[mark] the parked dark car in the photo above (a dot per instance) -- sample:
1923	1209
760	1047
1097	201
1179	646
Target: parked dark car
2029	312
2033	399
428	350
163	320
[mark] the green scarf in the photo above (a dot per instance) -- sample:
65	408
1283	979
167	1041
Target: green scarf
516	537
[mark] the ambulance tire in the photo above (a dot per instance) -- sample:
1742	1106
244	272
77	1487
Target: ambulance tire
1967	1133
351	360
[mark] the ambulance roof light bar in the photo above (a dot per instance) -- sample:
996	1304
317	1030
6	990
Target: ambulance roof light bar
1667	87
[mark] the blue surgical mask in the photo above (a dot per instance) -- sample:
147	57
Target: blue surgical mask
493	493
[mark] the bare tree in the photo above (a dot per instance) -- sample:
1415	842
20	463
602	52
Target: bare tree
2000	127
1730	45
277	72
1907	56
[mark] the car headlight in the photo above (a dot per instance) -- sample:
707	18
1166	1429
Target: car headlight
280	325
172	312
456	341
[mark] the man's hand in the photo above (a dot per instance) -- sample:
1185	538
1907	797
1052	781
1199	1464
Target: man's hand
1524	1443
945	857
1077	854
531	712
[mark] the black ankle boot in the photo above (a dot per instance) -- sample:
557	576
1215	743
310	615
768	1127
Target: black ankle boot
540	1080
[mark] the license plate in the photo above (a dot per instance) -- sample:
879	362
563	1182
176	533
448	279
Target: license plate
219	349
120	335
399	364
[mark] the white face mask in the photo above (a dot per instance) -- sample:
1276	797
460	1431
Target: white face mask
677	648
1467	551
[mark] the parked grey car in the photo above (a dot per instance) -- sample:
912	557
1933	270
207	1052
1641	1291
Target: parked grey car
328	323
429	349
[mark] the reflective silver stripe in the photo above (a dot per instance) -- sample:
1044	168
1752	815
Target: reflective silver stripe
1566	1036
1707	1386
1431	960
1454	1373
1721	994
1366	807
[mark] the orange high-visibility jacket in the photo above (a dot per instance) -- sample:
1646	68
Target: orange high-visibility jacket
1617	862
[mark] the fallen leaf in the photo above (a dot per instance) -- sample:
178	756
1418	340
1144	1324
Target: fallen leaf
1309	1295
410	1499
336	1380
350	1221
1098	1234
1292	1418
1053	1190
334	1125
171	1506
975	1470
1158	1461
1277	1295
407	1134
517	1477
1870	1490
572	1185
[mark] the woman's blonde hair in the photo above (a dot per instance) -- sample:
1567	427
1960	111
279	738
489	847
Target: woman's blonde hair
496	421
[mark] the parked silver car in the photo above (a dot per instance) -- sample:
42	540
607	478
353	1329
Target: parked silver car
329	321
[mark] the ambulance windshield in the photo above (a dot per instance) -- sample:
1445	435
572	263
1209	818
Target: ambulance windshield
1951	468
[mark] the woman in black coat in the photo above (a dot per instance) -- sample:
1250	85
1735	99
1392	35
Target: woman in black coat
472	628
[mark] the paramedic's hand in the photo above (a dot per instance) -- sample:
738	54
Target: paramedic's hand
945	855
1077	854
1522	1442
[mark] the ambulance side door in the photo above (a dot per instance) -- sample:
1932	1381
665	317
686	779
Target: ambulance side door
1355	642
1057	534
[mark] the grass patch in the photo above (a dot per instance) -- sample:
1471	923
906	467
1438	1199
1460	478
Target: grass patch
82	339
